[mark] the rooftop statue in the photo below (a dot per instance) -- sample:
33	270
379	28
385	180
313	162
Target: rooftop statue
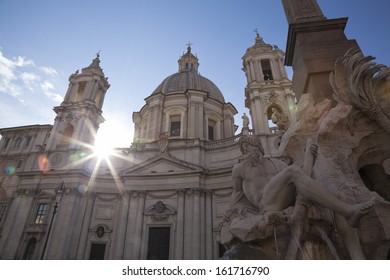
245	121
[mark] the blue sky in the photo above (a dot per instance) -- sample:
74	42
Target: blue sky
43	42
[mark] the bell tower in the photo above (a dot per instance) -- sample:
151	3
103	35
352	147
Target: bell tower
80	114
268	94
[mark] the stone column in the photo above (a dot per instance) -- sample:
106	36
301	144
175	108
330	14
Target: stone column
200	121
284	72
196	226
202	212
218	130
248	73
80	210
252	71
73	92
257	114
259	71
209	225
189	224
90	89
183	127
275	70
59	240
191	119
179	238
82	246
139	225
130	226
120	229
154	119
69	92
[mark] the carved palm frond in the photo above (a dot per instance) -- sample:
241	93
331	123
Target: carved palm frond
354	81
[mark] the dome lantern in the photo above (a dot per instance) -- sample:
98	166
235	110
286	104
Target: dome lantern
188	61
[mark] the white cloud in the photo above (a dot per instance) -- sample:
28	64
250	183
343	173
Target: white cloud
49	71
29	79
48	88
6	68
20	76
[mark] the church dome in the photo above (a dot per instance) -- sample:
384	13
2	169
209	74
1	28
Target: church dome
182	81
188	78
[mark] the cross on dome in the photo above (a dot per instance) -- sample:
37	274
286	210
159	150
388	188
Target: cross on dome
189	44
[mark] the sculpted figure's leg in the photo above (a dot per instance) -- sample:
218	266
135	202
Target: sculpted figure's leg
350	237
309	156
278	192
300	208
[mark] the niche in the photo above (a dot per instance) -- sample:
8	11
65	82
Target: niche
376	179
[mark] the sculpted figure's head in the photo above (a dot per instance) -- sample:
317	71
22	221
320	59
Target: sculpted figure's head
250	144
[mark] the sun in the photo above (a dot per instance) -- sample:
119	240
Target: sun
104	146
102	151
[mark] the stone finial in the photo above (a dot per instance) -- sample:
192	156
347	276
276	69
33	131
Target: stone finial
258	40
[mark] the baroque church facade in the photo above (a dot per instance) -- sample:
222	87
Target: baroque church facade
162	198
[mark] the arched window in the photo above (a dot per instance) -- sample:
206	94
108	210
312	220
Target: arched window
67	135
30	248
267	72
28	140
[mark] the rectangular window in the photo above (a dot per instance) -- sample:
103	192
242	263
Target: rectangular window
211	133
158	243
41	213
80	91
3	208
97	251
175	128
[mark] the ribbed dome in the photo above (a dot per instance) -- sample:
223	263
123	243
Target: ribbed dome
185	80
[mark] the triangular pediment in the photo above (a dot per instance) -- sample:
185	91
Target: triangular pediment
163	164
44	195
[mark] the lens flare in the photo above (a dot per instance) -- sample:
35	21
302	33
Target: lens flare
43	163
9	170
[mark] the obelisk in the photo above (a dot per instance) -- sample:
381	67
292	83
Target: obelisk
313	45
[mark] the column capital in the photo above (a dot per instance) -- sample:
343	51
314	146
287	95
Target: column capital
181	192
